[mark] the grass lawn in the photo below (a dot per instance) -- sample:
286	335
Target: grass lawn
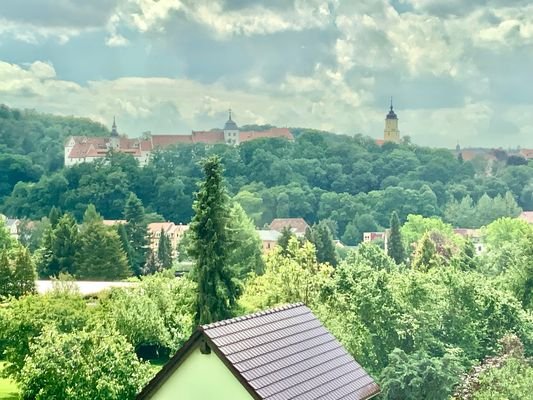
8	389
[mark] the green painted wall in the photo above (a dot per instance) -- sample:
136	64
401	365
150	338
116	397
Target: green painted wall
202	377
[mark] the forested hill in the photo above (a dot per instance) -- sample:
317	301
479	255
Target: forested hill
39	137
349	180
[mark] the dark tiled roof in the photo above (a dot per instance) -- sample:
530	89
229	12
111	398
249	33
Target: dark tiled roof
298	225
285	353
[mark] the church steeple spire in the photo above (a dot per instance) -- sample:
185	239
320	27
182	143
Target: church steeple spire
391	103
114	128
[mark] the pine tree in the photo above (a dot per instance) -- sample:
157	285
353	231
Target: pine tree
395	247
152	264
24	274
53	216
136	229
209	246
6	275
91	215
425	256
467	259
164	250
100	255
59	248
321	237
125	243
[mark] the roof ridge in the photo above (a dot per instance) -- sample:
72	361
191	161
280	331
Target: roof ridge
250	316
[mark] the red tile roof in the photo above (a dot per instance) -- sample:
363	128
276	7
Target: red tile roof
527	153
271	133
208	137
297	225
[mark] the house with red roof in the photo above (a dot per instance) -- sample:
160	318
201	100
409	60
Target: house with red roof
83	149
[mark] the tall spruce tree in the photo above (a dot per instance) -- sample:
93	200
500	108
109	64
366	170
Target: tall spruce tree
54	215
6	275
425	256
125	243
284	239
24	274
164	250
321	237
395	248
137	232
100	255
217	289
59	248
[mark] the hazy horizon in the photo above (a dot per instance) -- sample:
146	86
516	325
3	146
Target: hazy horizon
458	71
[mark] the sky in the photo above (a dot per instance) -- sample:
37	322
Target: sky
458	71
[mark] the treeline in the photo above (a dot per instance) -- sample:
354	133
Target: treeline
417	318
348	180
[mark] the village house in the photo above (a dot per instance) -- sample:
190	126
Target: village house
269	239
171	230
83	149
298	226
281	353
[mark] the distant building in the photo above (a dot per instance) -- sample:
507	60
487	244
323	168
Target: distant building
391	132
12	225
83	149
269	239
113	222
474	235
174	233
297	225
281	353
526	153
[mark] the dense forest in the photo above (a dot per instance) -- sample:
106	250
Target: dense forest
350	181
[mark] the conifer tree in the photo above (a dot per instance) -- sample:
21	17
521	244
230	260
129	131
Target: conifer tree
54	215
6	275
164	250
59	248
91	215
125	243
100	255
136	229
217	289
395	248
320	235
425	256
152	264
24	274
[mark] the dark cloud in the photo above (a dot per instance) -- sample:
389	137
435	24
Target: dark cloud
58	13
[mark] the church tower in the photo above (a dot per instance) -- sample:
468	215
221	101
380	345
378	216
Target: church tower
391	133
115	139
231	131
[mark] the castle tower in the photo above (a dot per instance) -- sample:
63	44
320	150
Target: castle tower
231	131
391	133
115	139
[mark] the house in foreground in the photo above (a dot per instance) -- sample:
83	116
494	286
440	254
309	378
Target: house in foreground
282	353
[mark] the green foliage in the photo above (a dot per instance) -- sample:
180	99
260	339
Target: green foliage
99	255
100	364
297	277
425	255
157	312
419	376
395	246
321	237
58	250
245	255
23	320
136	230
467	214
285	238
164	250
24	274
210	246
417	226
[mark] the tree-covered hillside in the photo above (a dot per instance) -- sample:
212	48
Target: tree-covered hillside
31	143
349	180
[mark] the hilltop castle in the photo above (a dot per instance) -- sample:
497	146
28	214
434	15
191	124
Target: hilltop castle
79	149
